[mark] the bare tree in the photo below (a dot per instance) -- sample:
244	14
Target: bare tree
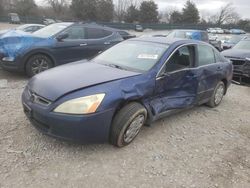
227	14
58	6
1	7
121	7
166	15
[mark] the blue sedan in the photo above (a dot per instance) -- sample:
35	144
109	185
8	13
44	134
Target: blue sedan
134	83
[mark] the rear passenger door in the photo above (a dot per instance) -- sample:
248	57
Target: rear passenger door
98	40
209	70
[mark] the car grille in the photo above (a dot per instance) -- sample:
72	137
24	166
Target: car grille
238	62
241	67
34	98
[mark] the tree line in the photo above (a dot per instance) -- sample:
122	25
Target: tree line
129	11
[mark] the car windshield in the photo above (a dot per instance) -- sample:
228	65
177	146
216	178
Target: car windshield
135	56
243	45
51	30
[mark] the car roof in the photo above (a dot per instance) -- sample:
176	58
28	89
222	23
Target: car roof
167	41
94	25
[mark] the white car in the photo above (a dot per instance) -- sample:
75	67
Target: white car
30	28
217	31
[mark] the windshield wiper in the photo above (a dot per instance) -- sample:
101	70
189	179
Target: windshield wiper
116	66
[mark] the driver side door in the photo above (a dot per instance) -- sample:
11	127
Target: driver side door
177	82
73	48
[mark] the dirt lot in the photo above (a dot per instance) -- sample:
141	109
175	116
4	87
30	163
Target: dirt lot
201	147
8	26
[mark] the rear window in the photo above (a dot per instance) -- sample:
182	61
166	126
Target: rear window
94	33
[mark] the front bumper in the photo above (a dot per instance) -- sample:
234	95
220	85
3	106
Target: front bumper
10	66
93	128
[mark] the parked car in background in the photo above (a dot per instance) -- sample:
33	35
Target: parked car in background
14	18
237	31
48	21
126	35
54	45
139	28
30	28
227	31
232	41
216	30
209	30
219	31
239	55
215	41
190	34
136	82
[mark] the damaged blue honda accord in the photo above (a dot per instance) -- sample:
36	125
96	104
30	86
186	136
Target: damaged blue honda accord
136	82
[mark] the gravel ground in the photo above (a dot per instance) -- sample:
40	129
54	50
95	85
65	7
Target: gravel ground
201	147
8	26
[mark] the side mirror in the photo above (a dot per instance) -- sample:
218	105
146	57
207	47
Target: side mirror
62	36
248	59
162	76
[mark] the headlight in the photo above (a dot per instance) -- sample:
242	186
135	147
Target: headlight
83	105
10	59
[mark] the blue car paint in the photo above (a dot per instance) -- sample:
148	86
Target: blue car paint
195	35
179	90
15	43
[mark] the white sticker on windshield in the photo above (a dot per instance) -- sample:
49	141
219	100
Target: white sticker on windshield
147	56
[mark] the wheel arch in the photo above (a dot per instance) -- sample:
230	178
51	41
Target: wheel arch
36	52
123	103
224	80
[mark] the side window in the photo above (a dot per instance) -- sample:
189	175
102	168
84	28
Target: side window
96	33
205	55
76	33
183	58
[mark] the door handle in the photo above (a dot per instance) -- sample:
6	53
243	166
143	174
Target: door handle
219	68
107	43
83	44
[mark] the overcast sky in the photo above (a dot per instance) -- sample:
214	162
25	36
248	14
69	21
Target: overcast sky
208	6
205	6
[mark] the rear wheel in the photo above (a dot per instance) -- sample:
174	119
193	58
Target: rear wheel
38	63
127	124
217	96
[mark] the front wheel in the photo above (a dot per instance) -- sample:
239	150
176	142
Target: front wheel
38	63
218	95
127	124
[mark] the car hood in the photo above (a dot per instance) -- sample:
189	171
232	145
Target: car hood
235	53
13	42
59	81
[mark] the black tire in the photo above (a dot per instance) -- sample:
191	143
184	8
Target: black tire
213	102
124	120
42	62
